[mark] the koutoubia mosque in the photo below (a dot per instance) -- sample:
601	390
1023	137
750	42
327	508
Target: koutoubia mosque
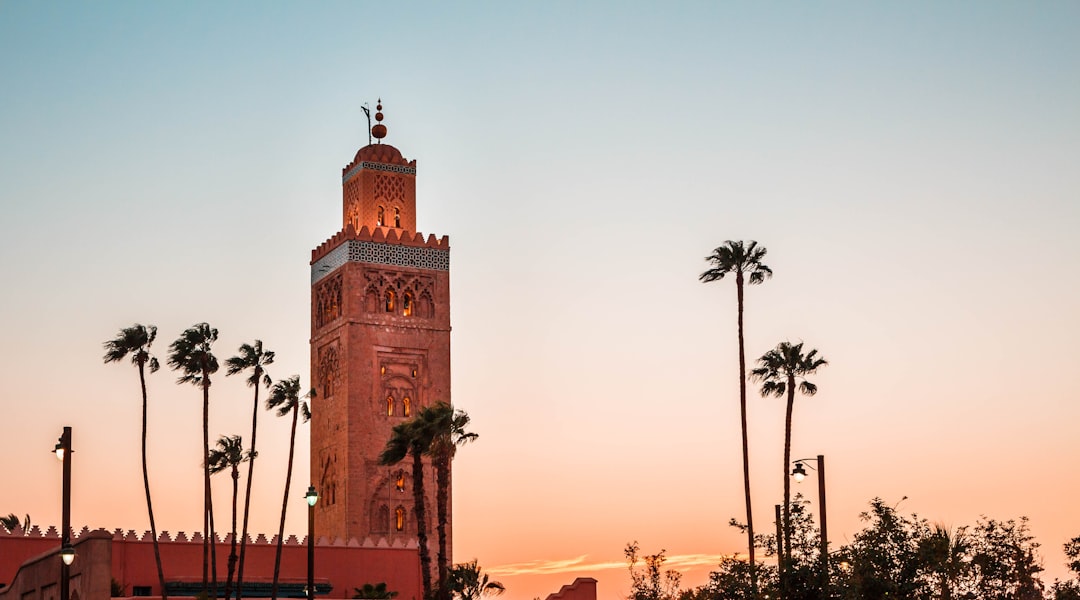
380	351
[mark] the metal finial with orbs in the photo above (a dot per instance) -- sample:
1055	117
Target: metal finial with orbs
378	131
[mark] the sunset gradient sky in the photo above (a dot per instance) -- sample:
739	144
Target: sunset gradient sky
911	167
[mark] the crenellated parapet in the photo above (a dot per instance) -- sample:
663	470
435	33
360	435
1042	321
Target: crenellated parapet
164	537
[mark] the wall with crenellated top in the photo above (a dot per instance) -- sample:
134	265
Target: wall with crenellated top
343	564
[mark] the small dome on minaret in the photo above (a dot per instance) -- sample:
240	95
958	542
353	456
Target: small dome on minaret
378	131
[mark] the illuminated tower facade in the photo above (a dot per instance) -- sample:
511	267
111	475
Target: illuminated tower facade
380	348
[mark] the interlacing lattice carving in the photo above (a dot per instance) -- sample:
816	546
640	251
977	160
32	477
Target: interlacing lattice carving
413	294
389	188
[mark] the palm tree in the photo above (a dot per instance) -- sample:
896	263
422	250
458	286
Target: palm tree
744	260
228	455
448	428
136	341
469	583
781	369
285	397
414	438
375	592
255	358
12	521
191	355
945	553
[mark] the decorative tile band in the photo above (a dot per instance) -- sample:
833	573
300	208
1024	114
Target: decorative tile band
380	253
377	167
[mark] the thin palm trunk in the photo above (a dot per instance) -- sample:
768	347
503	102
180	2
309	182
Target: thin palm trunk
421	520
284	503
442	501
787	478
247	492
745	441
232	552
206	486
146	487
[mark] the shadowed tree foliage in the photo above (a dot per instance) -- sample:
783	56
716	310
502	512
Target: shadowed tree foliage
11	521
1069	589
944	555
744	261
228	454
782	369
135	341
467	581
447	427
374	592
649	581
192	355
413	438
253	358
285	397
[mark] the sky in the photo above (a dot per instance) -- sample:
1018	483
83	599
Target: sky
910	167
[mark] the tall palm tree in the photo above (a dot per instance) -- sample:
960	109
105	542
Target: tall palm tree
744	260
469	582
192	355
136	341
782	369
448	428
228	455
255	358
285	397
414	438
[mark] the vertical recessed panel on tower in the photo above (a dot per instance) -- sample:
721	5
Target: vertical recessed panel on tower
380	349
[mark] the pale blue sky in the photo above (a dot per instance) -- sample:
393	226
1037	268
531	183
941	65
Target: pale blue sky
911	167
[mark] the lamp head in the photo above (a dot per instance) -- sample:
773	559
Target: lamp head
311	496
799	473
59	450
67	554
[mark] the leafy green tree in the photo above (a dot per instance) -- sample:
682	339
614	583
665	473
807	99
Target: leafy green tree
192	355
285	397
782	369
882	560
1006	557
448	431
251	357
414	438
228	455
374	592
467	581
136	341
1069	589
744	260
649	581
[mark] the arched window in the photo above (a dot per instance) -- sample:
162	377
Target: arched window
382	520
406	407
381	220
397	218
389	406
407	305
400	483
389	300
399	518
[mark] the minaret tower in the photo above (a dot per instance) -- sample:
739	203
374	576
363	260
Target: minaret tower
380	348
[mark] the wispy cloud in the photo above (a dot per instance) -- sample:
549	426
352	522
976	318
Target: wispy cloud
678	562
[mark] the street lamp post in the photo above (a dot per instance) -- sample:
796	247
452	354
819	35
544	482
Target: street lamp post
67	551
799	473
312	497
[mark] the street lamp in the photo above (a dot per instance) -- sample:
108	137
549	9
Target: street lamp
312	497
67	551
799	473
